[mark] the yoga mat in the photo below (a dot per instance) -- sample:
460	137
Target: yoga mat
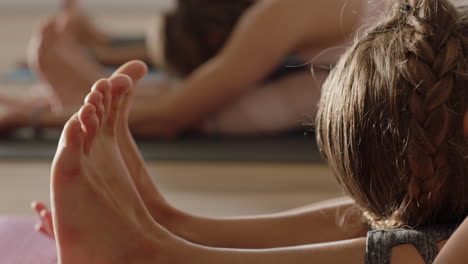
18	75
21	244
25	75
294	147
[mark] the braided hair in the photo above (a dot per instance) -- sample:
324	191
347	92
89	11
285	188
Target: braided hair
194	32
390	119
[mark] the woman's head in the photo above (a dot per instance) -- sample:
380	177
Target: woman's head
391	116
192	33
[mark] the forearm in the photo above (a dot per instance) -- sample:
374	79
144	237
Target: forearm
322	222
347	251
116	55
146	118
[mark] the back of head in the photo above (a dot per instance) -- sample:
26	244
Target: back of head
390	120
194	32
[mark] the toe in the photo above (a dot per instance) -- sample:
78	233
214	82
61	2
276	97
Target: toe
95	98
134	69
42	44
69	4
120	87
48	27
66	164
103	87
72	134
90	124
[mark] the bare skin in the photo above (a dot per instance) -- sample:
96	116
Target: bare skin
249	232
456	249
55	60
99	217
89	36
199	96
81	26
85	196
98	42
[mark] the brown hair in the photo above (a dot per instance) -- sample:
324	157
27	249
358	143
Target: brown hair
390	120
194	32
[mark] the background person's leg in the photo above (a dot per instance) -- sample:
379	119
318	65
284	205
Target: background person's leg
275	106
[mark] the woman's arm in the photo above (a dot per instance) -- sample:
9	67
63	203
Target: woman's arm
266	33
455	250
351	251
326	221
264	36
110	54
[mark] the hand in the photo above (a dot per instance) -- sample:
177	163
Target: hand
46	225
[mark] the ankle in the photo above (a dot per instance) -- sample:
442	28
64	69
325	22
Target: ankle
177	222
173	219
181	251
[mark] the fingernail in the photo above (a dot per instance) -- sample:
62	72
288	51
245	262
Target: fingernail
43	212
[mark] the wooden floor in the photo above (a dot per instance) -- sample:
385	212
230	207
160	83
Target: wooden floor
204	188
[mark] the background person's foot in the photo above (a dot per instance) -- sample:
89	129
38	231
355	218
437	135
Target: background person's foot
81	25
67	69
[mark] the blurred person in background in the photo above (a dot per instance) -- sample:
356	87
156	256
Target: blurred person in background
232	67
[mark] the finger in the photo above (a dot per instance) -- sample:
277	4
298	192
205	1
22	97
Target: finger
44	230
46	217
38	206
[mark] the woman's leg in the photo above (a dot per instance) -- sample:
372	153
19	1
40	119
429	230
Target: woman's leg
272	107
99	216
337	219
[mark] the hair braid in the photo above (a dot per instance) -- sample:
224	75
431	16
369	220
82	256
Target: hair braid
390	120
434	52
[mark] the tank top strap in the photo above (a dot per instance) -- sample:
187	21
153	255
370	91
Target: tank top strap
380	242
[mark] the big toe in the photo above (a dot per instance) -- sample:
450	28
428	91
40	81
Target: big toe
134	69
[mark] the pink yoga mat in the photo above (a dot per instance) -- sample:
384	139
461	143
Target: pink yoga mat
21	244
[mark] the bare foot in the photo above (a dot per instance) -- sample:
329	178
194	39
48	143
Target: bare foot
158	207
63	65
81	25
98	215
